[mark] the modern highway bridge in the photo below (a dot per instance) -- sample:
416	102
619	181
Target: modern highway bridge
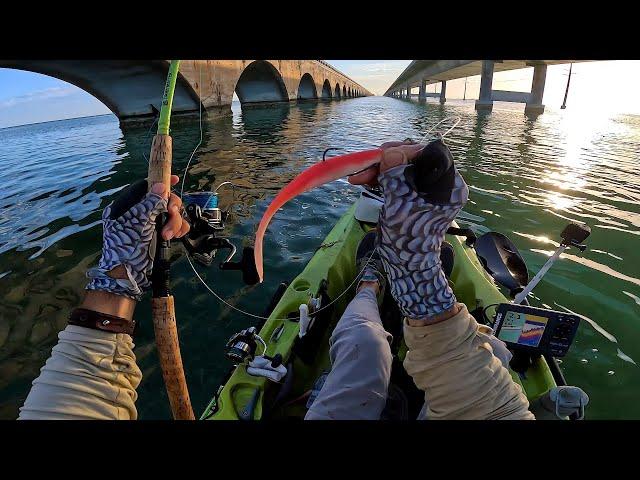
132	90
421	73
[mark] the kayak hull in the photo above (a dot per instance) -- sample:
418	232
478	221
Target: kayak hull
328	274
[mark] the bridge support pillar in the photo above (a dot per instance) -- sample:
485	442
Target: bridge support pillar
422	95
534	106
485	101
408	91
443	92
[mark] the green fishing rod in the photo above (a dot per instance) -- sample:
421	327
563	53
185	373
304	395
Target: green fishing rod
162	302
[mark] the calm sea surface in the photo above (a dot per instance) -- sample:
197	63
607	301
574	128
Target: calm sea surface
528	179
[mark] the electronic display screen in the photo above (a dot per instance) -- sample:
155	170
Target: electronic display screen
522	328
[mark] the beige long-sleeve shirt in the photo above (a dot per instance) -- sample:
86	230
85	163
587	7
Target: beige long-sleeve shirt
454	364
94	375
90	375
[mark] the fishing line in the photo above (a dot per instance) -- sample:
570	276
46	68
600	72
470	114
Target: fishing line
146	137
186	169
260	317
218	297
441	135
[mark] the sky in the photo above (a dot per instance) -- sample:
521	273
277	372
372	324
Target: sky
603	87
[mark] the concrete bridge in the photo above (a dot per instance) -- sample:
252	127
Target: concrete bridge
132	90
421	73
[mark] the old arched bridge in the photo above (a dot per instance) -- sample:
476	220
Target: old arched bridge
132	90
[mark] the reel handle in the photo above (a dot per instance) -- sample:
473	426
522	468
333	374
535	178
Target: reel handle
246	265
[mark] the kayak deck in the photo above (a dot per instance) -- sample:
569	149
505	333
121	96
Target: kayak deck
328	274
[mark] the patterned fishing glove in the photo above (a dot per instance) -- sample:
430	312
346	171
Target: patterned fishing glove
129	240
421	200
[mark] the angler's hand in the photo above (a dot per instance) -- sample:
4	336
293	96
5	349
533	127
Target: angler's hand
412	227
129	238
395	154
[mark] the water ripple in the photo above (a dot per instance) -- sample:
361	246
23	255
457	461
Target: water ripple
527	179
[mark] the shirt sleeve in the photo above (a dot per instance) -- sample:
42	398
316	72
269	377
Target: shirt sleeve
90	375
454	364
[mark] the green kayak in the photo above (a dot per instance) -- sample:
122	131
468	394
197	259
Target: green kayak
330	271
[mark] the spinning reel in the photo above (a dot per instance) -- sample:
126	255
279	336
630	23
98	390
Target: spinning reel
244	344
204	239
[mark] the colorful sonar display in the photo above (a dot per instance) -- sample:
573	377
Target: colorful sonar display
523	328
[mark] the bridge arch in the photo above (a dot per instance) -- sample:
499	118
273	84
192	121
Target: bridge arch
307	88
338	93
125	87
261	82
326	89
344	91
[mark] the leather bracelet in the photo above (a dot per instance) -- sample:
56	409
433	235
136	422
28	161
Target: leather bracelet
101	321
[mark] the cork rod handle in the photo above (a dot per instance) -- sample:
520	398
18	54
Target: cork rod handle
163	308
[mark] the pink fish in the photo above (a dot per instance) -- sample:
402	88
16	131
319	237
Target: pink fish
314	176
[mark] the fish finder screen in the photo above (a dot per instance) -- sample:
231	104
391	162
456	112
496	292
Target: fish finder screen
522	328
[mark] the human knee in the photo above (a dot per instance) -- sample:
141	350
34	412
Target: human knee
364	339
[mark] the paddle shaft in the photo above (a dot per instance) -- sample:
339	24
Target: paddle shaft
162	304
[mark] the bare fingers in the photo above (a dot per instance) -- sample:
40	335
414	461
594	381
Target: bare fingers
395	153
176	226
399	155
160	189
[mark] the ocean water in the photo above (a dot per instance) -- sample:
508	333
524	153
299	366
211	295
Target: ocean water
528	178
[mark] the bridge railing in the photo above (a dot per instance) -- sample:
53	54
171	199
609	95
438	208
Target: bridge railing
331	67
